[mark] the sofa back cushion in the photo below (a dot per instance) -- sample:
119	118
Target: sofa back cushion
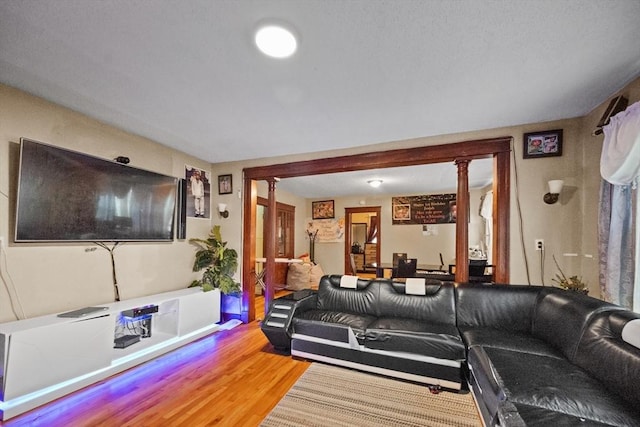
436	306
361	300
506	307
605	354
561	318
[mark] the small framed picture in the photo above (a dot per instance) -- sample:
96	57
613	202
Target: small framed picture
402	212
542	144
198	192
224	184
323	209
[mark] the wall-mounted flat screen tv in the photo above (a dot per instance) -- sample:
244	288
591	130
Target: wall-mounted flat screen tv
64	195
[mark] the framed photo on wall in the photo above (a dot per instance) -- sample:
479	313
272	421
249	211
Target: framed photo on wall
542	144
198	192
225	185
323	209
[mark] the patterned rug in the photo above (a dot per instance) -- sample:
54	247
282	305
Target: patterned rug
331	396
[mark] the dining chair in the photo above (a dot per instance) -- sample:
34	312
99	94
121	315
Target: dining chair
477	267
406	267
397	256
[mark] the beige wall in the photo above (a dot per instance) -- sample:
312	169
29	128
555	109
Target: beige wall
560	225
49	278
52	278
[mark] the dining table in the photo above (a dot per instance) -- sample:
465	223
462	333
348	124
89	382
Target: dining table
420	268
430	271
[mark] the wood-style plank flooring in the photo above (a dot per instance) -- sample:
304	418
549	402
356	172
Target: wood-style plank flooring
230	378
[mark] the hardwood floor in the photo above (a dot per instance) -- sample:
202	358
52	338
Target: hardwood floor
230	378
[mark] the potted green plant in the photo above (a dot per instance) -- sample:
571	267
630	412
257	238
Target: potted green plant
219	263
572	283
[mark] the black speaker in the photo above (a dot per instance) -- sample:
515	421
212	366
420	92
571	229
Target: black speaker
617	104
182	210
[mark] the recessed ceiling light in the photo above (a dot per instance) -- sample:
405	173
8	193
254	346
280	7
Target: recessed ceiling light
375	183
276	41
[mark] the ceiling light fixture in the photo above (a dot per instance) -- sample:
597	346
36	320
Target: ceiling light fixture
375	183
276	41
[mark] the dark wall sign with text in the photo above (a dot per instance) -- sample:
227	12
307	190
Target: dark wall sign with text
427	209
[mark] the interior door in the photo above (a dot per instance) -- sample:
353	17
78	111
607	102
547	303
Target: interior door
370	244
285	227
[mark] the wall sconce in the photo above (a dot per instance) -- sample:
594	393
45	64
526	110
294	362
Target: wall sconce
222	210
555	187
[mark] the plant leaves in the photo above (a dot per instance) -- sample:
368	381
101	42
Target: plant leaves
220	263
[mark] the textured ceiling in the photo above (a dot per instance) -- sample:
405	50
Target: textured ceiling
186	73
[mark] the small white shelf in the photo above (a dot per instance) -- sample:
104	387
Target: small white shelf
154	340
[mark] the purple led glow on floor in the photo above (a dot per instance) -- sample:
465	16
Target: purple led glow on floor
104	392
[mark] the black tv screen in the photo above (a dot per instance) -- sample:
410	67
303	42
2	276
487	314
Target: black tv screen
64	195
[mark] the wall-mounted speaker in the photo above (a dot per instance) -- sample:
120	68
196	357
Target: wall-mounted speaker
182	210
617	104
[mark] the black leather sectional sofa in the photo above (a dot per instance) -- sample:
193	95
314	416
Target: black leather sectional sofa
530	355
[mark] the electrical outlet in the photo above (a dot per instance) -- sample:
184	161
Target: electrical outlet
2	242
539	245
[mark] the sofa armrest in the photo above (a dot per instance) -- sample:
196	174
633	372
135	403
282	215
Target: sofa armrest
291	305
563	317
277	324
606	355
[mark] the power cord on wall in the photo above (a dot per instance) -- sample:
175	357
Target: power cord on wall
542	265
14	300
519	210
116	291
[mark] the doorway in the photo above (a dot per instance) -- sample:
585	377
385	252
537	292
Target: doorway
285	223
461	153
362	240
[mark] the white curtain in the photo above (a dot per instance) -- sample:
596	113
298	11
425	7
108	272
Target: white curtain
618	231
486	212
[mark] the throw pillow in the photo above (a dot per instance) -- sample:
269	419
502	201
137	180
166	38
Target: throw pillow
315	275
298	276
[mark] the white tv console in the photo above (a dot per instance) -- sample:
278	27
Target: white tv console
44	358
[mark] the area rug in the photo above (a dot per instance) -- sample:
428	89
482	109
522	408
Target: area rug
331	396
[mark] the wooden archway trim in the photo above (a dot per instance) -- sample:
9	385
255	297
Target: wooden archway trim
501	210
498	148
462	221
443	153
